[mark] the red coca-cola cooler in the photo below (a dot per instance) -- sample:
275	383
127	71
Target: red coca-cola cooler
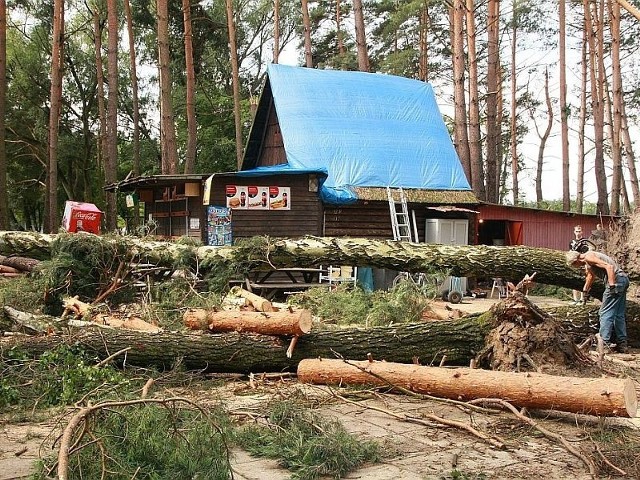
81	217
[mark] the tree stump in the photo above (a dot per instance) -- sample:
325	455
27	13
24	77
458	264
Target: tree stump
526	338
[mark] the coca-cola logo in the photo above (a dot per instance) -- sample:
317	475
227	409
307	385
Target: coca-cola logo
90	216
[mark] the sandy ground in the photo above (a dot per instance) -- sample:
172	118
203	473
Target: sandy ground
413	451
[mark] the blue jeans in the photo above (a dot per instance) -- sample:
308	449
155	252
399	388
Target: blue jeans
612	311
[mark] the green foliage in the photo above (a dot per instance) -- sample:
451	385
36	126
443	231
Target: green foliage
60	376
553	291
82	265
345	306
306	443
459	475
23	293
160	443
171	298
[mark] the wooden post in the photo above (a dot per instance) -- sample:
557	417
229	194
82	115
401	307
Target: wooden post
593	396
297	322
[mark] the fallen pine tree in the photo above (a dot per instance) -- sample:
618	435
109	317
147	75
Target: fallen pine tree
267	253
458	341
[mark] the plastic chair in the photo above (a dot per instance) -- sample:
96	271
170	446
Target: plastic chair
500	286
337	275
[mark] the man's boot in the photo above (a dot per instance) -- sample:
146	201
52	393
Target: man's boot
622	347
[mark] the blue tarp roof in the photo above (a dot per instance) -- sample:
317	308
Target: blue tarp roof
362	130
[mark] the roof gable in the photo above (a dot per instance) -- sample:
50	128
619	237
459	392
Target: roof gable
360	129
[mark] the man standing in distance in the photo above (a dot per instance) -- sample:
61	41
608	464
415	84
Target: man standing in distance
578	297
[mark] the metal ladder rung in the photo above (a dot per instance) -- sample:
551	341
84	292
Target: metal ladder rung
400	221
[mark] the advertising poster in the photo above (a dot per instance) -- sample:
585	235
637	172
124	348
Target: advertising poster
219	231
258	198
280	198
237	196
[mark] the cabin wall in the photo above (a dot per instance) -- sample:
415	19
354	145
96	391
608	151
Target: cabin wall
372	219
304	217
174	211
272	148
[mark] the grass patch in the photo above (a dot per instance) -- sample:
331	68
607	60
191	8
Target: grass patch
307	444
153	442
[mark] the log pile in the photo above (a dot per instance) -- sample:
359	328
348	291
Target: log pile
15	266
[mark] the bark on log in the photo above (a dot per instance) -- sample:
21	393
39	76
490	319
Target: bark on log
464	260
297	322
24	264
593	396
232	352
259	303
582	321
16	321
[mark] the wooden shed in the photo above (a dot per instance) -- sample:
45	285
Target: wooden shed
509	225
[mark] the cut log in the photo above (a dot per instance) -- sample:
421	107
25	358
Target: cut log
297	322
259	303
234	352
592	396
23	264
128	323
7	269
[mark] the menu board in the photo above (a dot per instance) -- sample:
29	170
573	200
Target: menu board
258	198
236	196
253	197
280	198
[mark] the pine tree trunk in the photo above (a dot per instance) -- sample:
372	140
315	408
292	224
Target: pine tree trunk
102	112
111	160
4	195
564	108
460	340
57	62
460	135
493	32
361	38
170	149
616	106
475	134
528	390
463	261
236	352
235	72
134	90
306	24
190	155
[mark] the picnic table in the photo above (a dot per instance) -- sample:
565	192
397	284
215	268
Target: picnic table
269	283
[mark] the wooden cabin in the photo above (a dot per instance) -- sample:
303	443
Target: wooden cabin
324	148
